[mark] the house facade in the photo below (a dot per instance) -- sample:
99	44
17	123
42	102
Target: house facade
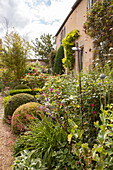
75	20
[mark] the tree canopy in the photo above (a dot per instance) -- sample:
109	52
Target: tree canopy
14	54
44	46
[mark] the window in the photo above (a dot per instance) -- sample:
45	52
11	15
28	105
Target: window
62	35
90	3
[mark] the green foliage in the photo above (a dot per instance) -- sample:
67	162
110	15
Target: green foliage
48	142
67	138
28	91
68	43
58	65
23	116
102	152
52	58
21	86
7	78
99	25
44	46
1	85
6	99
27	160
34	81
14	54
100	156
62	93
14	102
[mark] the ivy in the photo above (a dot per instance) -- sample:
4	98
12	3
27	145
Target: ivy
68	43
99	26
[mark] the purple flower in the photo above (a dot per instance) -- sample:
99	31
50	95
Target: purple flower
94	112
51	89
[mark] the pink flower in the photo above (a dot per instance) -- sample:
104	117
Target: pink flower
94	112
51	89
8	121
9	116
16	115
92	105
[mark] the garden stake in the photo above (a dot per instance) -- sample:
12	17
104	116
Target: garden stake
78	49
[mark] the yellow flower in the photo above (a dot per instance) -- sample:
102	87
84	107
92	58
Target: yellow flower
76	126
78	106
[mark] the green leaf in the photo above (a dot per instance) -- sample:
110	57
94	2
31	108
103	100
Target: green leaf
69	138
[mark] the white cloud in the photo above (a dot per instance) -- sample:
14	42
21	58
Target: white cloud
34	17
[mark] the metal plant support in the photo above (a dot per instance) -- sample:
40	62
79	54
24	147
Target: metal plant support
78	49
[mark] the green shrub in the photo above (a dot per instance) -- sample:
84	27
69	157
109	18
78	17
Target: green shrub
29	91
26	162
24	115
6	99
58	65
48	143
21	86
14	102
1	85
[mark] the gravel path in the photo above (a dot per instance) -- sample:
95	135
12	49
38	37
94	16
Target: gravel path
7	139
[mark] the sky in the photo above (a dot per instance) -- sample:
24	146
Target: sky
32	18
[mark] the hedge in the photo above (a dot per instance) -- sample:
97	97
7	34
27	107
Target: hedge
29	91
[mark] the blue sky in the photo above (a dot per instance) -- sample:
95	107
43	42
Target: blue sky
32	18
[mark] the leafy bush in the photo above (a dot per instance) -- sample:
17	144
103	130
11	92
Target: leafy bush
52	58
99	15
21	86
1	85
62	95
69	138
46	141
26	162
35	80
58	65
6	99
100	156
23	116
14	102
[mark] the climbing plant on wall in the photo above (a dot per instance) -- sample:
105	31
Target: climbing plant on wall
68	43
99	25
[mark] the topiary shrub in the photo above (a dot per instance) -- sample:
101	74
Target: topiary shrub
58	65
6	99
24	115
21	86
13	103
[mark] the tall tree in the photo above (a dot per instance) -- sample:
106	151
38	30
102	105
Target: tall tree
15	53
58	65
44	46
99	25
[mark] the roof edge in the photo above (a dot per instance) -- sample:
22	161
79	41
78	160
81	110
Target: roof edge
73	8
